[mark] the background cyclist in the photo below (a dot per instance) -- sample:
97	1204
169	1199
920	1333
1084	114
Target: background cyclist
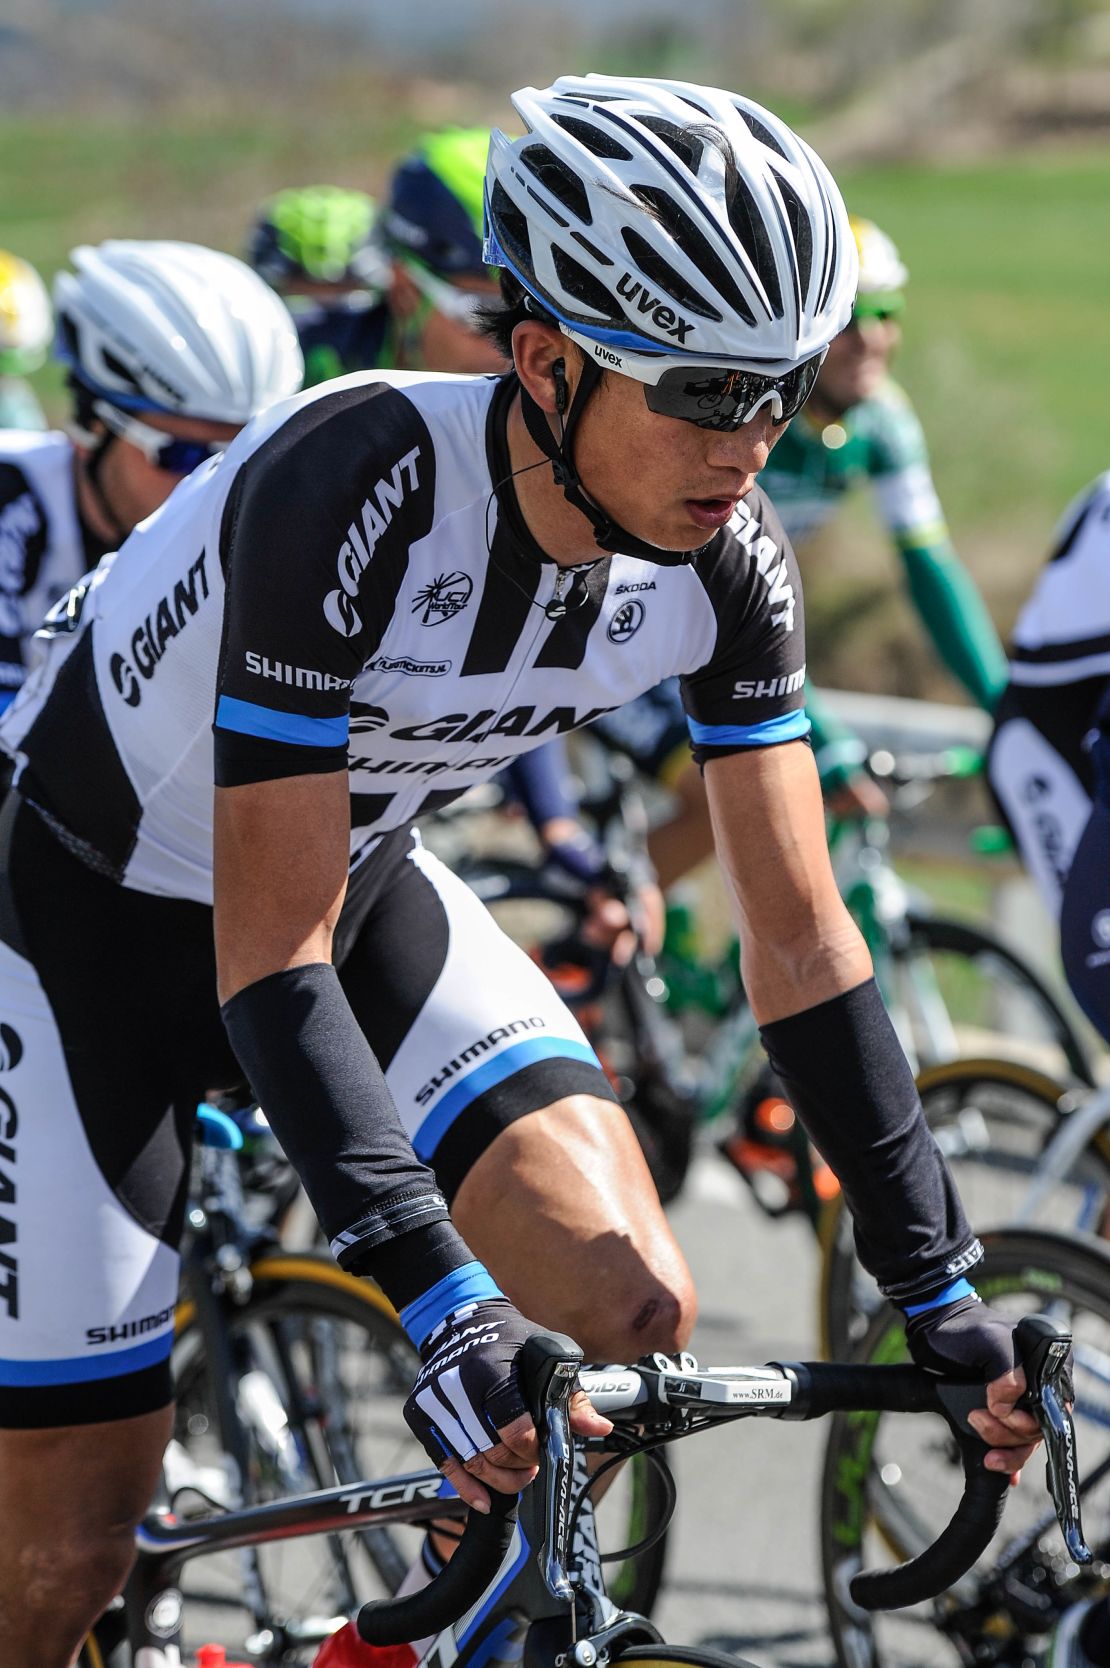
859	428
315	245
169	349
430	227
26	326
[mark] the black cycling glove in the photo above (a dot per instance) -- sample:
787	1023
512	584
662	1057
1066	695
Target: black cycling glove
469	1386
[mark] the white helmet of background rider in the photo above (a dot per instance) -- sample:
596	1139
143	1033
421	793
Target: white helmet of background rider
660	217
881	271
177	329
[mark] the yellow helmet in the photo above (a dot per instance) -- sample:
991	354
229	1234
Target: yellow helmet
881	272
26	321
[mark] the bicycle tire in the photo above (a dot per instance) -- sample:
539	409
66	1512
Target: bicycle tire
1013	1112
869	1500
689	1656
937	935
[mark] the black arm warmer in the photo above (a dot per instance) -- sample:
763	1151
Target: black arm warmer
326	1099
849	1082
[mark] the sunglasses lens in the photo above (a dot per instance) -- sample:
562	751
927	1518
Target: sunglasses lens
181	457
725	399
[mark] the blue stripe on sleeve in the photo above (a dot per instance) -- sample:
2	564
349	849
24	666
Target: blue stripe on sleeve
471	1283
82	1369
951	1294
251	720
788	726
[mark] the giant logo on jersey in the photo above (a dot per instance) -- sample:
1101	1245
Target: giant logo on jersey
22	542
358	547
150	640
11	1052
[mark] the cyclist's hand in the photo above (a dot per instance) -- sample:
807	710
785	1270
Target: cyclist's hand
860	796
610	926
965	1340
467	1407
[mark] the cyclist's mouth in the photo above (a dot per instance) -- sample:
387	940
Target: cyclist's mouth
711	513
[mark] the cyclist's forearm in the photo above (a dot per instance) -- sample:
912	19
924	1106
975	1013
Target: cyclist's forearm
326	1099
848	1080
956	618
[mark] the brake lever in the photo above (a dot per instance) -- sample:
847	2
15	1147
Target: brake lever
549	1370
1044	1350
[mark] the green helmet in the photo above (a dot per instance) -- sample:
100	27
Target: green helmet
317	232
434	212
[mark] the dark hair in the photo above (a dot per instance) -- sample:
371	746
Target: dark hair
497	324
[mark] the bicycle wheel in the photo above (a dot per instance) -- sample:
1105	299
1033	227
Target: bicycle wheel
890	1482
941	968
993	1120
322	1369
690	1656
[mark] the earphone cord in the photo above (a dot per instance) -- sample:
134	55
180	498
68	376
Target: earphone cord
577	578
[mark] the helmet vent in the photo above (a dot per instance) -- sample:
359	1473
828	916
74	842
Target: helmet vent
698	248
599	255
593	138
118	368
511	227
556	177
800	231
760	131
682	141
580	284
747	223
662	273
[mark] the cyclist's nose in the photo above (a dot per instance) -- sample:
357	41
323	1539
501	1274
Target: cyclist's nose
745	448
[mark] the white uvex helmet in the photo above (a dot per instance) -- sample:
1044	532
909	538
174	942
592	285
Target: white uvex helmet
666	218
175	328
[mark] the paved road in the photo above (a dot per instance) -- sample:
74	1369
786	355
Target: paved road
744	1575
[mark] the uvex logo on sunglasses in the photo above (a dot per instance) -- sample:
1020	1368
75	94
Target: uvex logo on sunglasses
662	316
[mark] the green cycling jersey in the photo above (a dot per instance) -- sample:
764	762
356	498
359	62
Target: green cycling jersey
880	442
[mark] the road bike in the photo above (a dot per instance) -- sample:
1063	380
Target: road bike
527	1580
1024	1150
887	1484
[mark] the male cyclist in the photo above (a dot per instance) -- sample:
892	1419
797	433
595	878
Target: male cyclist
431	231
169	349
25	330
382	591
315	245
1049	761
859	427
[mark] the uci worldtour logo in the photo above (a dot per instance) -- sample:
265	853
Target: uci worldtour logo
627	621
443	598
358	548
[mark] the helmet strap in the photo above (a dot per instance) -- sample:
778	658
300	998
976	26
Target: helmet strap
607	533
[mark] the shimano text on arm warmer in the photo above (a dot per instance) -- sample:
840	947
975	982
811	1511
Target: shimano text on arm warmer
849	1082
325	1096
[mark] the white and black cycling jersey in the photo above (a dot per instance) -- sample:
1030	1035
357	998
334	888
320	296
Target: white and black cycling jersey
1063	632
350	585
42	552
